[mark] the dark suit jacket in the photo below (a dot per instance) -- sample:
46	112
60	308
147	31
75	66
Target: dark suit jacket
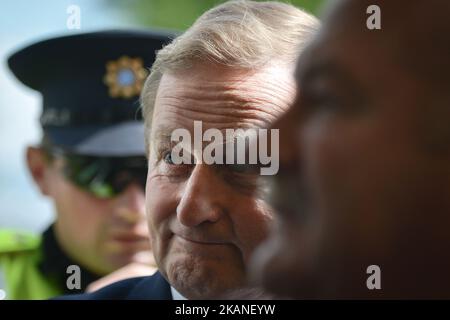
153	287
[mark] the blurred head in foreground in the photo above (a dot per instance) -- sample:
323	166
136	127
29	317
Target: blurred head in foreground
233	68
365	159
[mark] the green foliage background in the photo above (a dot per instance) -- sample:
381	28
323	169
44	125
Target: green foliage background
180	14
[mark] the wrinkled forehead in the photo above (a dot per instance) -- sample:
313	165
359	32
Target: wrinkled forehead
222	98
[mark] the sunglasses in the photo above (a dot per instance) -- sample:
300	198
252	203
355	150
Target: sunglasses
103	177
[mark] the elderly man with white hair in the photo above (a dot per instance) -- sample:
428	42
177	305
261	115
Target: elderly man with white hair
232	69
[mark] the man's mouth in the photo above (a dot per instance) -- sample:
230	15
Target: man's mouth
129	237
199	240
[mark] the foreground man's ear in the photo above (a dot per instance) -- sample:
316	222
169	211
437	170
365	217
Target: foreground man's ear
38	166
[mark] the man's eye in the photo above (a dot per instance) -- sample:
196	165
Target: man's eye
324	102
244	168
167	157
322	94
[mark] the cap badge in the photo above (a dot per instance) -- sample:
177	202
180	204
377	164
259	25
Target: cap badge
125	77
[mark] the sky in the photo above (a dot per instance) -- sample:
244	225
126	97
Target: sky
23	22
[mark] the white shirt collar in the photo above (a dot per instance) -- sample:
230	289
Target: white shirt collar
176	295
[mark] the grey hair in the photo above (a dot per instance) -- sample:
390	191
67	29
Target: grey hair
236	34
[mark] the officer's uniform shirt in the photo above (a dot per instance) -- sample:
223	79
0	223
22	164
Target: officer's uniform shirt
36	267
176	295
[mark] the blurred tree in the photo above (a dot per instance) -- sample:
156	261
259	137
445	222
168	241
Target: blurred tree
180	14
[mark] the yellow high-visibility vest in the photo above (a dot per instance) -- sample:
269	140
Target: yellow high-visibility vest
20	256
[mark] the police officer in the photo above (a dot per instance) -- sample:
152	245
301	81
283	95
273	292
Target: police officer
90	162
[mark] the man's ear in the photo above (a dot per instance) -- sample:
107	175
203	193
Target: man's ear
38	167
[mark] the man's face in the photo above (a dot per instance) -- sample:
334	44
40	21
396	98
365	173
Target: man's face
366	178
206	220
100	234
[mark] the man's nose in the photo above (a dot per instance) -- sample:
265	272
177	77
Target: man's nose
131	203
203	197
